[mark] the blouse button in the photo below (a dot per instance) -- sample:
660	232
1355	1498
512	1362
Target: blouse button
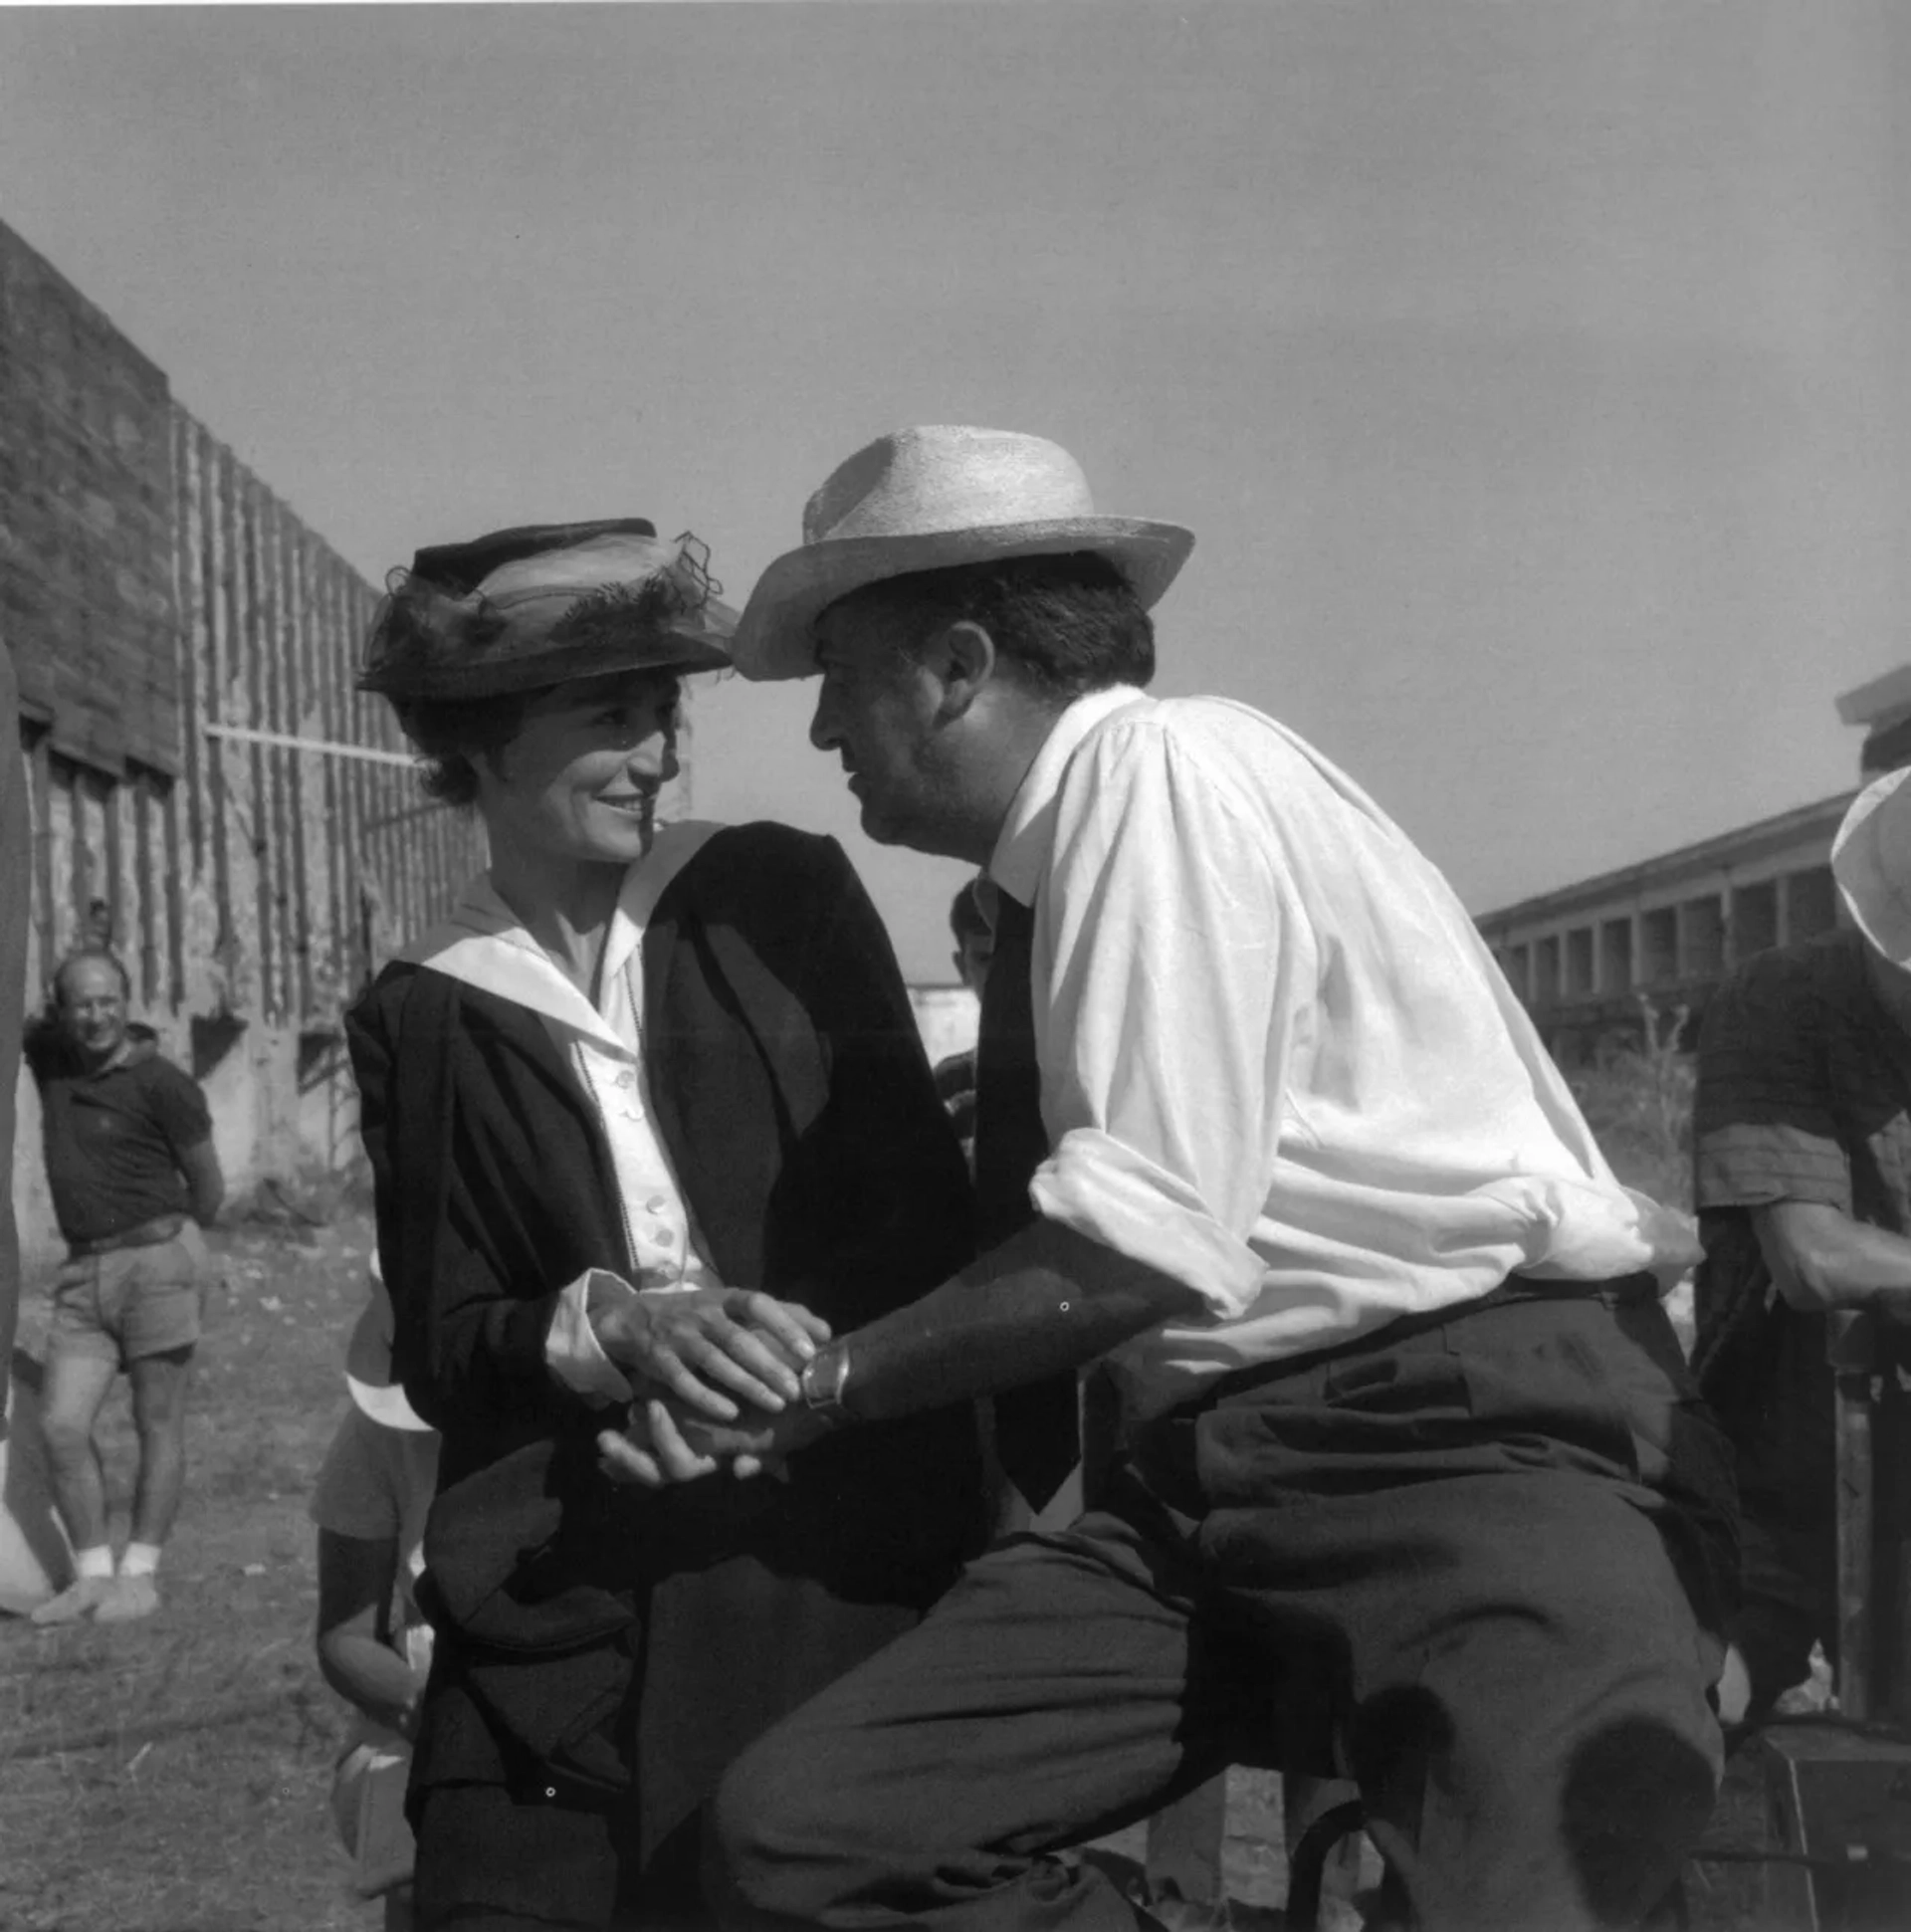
663	1236
626	1078
656	1204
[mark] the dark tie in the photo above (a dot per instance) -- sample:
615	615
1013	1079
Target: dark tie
1035	1427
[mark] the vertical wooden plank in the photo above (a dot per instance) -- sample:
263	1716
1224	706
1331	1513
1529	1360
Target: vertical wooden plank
172	820
279	759
329	667
69	852
371	873
189	603
301	766
143	880
351	778
40	791
252	681
218	606
122	905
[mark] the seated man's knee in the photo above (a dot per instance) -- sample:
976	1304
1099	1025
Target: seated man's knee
771	1854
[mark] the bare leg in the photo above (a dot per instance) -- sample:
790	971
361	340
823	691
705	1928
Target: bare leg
69	1402
75	1386
160	1415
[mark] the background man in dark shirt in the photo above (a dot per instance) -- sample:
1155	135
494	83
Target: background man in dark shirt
131	1167
1803	1131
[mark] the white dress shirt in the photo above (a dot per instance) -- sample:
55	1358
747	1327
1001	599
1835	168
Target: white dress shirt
485	943
1278	1062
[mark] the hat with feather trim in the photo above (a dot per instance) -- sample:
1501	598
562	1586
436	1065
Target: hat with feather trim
928	498
523	609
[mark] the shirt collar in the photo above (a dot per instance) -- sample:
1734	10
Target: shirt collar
485	943
1021	849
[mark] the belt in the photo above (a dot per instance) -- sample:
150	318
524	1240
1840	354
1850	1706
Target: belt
1515	1289
148	1235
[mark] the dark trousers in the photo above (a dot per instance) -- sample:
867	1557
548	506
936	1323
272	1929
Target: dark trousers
490	1860
1478	1560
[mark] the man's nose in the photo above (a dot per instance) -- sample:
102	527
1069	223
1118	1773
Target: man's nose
822	724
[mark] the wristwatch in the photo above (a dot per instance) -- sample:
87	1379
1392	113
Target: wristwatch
821	1385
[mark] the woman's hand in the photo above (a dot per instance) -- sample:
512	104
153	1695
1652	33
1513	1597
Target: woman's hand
664	1443
699	1343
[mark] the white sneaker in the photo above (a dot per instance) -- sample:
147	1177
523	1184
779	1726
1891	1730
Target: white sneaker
79	1600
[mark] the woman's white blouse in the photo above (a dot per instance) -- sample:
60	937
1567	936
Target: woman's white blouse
485	943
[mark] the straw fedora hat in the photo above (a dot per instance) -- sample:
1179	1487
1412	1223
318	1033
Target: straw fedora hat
927	498
368	1363
1871	861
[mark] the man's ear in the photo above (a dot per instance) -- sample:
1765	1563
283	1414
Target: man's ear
962	658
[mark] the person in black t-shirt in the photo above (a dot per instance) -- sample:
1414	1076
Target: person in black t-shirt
133	1175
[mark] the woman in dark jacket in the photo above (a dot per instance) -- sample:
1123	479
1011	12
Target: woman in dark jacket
648	1111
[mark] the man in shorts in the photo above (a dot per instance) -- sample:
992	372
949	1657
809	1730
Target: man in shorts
133	1175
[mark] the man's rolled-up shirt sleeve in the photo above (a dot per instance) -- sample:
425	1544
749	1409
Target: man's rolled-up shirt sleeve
1167	961
1763	1128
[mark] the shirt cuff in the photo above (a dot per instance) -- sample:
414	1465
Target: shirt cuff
1112	1194
573	1351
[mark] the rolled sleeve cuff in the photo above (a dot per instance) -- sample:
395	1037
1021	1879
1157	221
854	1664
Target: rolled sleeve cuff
573	1351
1107	1193
1752	1166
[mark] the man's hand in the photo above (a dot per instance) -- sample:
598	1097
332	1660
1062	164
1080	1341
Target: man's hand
667	1443
697	1343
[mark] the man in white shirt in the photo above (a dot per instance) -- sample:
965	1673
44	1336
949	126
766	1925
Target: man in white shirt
1416	1486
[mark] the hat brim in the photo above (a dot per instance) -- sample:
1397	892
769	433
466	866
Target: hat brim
368	1363
773	637
385	1404
1867	862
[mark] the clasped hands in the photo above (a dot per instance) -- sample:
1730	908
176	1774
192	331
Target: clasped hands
716	1376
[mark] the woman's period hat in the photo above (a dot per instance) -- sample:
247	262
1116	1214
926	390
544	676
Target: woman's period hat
927	498
368	1372
522	609
1871	861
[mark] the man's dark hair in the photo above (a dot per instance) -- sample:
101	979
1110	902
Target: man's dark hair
965	919
81	953
1071	622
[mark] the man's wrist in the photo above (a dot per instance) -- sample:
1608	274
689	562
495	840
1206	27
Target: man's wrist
824	1384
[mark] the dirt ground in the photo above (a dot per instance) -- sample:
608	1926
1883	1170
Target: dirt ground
171	1776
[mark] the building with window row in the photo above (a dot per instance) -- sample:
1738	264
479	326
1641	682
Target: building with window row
1593	960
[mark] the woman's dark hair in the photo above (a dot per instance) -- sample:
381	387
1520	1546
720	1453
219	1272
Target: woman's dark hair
1071	621
450	734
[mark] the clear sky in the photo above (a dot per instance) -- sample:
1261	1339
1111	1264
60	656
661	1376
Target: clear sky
1535	376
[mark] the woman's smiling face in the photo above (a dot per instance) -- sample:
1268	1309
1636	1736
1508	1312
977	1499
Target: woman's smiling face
579	781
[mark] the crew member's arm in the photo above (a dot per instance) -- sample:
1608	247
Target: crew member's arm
1167	969
1821	1259
1769	1145
205	1185
356	1576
